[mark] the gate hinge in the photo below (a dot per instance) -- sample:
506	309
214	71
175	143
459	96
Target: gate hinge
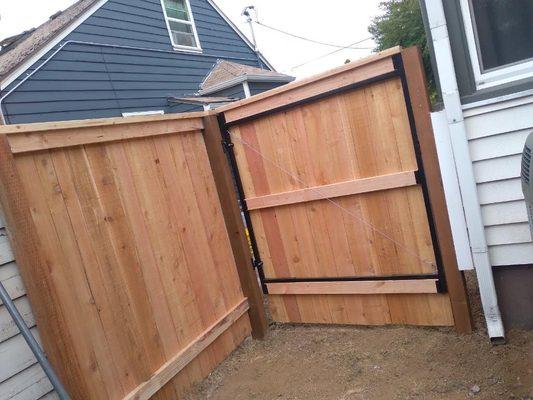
227	144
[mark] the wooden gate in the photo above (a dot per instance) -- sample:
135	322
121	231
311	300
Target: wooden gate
341	183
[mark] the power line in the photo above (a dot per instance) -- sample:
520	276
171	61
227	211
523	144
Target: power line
316	41
325	55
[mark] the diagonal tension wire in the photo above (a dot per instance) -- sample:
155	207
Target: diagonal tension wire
347	211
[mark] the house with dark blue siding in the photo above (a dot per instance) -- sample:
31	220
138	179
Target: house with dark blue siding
111	58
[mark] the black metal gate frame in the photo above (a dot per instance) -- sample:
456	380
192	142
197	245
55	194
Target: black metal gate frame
228	146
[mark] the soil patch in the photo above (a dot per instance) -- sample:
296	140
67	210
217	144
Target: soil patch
356	363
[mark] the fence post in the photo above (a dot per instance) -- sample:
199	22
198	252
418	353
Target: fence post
234	225
417	88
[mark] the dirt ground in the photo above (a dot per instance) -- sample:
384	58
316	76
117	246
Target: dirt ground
356	363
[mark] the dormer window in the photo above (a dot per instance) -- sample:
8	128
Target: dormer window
180	24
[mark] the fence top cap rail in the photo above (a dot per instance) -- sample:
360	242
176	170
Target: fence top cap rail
312	79
92	123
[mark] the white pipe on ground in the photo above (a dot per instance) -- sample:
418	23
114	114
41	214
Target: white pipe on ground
465	171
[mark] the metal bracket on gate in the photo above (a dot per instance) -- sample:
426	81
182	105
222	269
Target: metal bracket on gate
228	147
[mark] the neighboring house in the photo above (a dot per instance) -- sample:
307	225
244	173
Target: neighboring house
483	57
107	58
229	81
112	58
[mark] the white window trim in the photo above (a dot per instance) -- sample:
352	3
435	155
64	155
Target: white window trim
198	48
147	112
506	74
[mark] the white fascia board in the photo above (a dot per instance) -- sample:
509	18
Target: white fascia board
245	78
242	35
54	42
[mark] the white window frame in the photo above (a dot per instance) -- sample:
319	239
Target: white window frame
497	76
198	48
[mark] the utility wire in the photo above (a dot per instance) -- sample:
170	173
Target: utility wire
326	55
316	41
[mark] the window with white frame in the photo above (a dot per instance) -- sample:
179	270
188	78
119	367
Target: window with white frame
500	37
180	24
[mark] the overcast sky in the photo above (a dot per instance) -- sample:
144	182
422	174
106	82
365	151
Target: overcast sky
339	22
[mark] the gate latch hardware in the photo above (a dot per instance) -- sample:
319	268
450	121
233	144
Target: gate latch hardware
258	264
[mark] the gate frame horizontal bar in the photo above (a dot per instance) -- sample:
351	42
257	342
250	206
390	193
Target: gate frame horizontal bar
332	190
405	286
368	278
320	96
366	68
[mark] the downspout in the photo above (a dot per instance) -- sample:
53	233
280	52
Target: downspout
465	170
246	88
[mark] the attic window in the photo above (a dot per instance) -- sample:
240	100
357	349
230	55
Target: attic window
180	24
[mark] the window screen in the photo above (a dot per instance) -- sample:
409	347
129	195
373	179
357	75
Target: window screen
504	31
180	23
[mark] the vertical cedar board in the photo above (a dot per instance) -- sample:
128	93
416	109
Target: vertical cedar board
234	225
417	88
33	269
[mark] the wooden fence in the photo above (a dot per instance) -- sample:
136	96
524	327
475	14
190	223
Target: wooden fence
341	180
121	239
129	236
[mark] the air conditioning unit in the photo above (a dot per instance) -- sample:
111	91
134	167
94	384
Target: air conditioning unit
527	178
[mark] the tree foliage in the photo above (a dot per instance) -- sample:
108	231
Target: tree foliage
401	24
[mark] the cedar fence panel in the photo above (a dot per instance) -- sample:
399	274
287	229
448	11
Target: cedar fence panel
121	239
340	178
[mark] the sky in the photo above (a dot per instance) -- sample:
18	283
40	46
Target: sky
338	22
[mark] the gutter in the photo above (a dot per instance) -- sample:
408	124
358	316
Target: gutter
464	169
246	78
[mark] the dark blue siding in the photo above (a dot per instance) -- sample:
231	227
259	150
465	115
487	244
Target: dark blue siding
94	81
235	92
260	87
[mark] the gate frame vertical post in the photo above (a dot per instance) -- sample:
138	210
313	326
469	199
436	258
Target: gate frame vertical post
418	94
234	226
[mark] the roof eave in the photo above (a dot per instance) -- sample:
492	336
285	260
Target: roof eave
10	76
243	78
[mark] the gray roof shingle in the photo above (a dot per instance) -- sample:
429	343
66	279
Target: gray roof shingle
18	48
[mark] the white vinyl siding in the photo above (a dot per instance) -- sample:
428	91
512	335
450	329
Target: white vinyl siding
21	378
496	134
